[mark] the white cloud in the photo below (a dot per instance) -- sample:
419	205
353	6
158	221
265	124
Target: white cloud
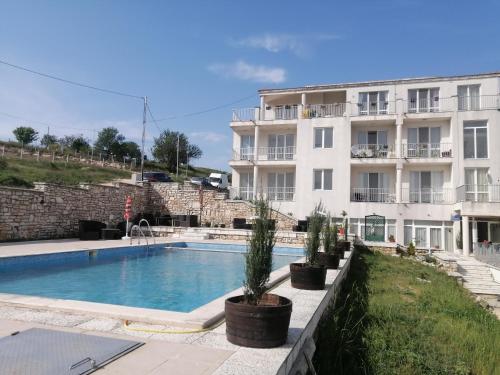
247	72
299	44
212	137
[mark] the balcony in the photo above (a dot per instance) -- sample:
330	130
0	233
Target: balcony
372	151
479	193
281	112
241	193
324	110
246	114
427	150
382	195
375	108
279	194
428	195
429	105
265	153
478	102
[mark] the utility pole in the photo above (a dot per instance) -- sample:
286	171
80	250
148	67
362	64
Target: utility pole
177	172
143	136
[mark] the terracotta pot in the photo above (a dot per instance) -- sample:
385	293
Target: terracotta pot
258	326
305	276
329	260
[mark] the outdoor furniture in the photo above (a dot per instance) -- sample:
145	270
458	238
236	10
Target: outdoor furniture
90	229
301	226
164	220
110	234
239	223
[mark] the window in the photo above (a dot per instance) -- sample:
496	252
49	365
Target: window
246	147
475	140
281	147
476	184
469	98
423	100
373	103
372	187
427	233
424	142
426	187
281	186
323	179
246	186
323	137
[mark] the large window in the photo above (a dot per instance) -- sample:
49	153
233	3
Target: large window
429	234
281	186
372	187
426	187
281	147
323	179
246	186
469	98
247	147
476	184
423	100
323	137
423	142
373	103
475	140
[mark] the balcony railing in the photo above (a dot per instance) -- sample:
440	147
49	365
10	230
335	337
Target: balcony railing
478	193
276	153
244	153
427	150
284	194
324	110
430	105
373	151
478	102
374	108
284	112
245	114
428	195
382	195
243	193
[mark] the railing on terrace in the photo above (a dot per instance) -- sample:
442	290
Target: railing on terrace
276	153
244	153
478	193
373	108
427	150
428	195
324	110
429	105
478	102
382	195
280	193
373	151
245	114
243	193
282	112
487	252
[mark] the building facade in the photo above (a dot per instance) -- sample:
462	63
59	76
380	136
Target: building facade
422	153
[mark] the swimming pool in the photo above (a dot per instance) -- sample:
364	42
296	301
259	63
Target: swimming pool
179	276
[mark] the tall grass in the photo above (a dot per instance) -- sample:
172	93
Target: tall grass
389	321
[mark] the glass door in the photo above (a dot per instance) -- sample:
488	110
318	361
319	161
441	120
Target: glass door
247	147
412	142
423	142
246	186
435	142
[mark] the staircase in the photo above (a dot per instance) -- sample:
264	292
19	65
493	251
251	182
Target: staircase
193	234
477	277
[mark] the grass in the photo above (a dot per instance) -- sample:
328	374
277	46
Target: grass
397	316
22	173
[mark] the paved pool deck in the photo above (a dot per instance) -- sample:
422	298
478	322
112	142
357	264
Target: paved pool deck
206	352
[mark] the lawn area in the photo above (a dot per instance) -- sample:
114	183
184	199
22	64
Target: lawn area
397	316
22	173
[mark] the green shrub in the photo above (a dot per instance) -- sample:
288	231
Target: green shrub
411	249
15	182
313	240
3	164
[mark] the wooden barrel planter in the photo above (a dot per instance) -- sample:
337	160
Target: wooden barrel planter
305	276
258	326
329	260
342	247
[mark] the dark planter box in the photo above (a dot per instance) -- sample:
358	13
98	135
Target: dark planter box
329	260
304	276
342	247
258	326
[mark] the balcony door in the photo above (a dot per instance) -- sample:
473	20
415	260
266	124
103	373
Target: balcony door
373	103
423	100
247	144
374	141
426	187
476	184
424	142
469	98
281	147
280	186
373	187
246	186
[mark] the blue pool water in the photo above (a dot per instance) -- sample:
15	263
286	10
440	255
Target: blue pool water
181	277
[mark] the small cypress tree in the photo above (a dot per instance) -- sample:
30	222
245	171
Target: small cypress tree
313	240
259	256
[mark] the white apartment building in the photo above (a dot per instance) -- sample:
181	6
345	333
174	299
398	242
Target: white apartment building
423	153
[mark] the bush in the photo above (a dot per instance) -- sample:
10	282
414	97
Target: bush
3	164
330	236
313	242
259	256
15	181
411	249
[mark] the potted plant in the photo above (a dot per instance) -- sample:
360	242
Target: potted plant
343	245
258	319
328	257
391	238
310	275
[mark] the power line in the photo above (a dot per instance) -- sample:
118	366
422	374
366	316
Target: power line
70	81
43	123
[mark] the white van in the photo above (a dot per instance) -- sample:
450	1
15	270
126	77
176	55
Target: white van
218	180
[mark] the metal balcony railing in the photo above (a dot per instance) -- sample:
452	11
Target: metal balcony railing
276	153
244	153
373	108
324	110
428	195
243	193
427	150
281	112
280	193
246	114
478	193
382	195
429	105
373	151
478	102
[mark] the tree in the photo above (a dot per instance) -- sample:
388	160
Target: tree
75	142
48	140
129	150
109	140
25	134
165	149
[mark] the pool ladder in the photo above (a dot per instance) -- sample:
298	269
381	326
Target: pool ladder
138	230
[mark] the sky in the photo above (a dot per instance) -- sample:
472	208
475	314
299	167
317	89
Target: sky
188	57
